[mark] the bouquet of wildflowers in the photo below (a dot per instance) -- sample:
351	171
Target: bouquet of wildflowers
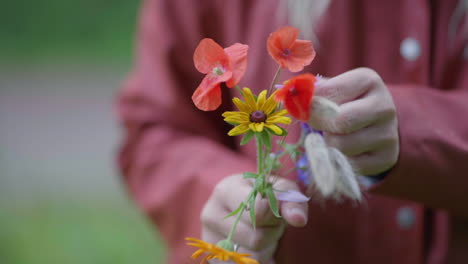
263	117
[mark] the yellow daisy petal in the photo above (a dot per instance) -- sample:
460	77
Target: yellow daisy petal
215	252
276	129
249	99
237	130
261	100
253	127
262	104
270	105
259	126
243	107
197	253
279	119
238	117
279	113
230	113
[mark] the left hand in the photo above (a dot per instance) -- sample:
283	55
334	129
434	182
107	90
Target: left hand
366	128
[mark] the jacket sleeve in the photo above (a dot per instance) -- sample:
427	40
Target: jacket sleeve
173	154
433	162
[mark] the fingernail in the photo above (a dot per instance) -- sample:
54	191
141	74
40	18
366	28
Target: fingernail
297	216
320	80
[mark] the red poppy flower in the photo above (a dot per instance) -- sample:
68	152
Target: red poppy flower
220	65
296	95
288	51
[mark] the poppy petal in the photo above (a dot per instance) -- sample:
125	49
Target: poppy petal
209	55
284	37
207	100
207	96
279	41
297	95
237	55
302	54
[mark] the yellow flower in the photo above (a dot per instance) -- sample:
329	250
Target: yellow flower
215	252
256	114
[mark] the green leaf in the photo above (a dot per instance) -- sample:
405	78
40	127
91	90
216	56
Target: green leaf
269	162
284	133
252	210
231	123
250	175
235	211
290	148
272	201
258	185
247	137
266	139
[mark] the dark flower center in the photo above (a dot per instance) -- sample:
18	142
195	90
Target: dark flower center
293	91
286	52
218	71
257	117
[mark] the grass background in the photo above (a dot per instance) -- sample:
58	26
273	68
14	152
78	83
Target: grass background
34	31
43	225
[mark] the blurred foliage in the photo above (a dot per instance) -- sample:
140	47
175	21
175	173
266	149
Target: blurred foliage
76	233
53	29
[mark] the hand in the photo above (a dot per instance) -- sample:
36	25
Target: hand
366	128
262	241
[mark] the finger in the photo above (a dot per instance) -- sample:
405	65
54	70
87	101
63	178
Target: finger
245	236
362	113
233	199
348	86
293	213
364	140
356	115
211	236
263	256
374	163
269	228
263	214
352	116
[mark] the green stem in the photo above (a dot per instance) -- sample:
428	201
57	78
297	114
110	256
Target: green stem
259	154
275	78
239	90
236	221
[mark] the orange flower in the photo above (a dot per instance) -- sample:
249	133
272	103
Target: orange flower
215	252
296	95
288	51
220	65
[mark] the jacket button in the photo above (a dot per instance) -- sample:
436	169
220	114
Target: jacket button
406	217
410	49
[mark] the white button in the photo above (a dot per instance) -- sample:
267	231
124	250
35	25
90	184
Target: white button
406	217
410	49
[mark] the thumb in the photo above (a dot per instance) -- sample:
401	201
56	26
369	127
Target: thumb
293	212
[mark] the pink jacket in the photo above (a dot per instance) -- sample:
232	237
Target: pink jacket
173	154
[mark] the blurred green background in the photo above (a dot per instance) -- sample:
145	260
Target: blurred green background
61	199
34	31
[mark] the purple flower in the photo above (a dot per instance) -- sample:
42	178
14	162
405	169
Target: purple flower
279	86
292	196
304	174
307	129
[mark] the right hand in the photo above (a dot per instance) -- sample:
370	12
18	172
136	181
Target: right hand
262	241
